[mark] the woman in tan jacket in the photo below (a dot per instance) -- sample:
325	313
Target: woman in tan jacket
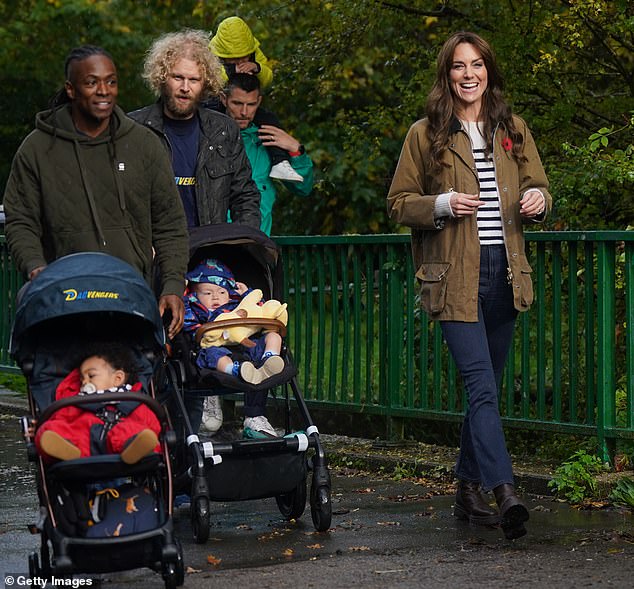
468	176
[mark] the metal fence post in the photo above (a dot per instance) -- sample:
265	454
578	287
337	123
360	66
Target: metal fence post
606	411
395	270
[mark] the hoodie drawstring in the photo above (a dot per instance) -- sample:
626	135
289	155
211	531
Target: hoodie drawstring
112	151
91	200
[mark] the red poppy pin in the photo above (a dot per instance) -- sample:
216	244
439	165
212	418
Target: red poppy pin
507	144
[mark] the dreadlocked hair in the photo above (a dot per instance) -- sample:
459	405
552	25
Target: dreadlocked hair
77	54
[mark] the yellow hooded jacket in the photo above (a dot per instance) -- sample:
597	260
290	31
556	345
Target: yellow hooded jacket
234	39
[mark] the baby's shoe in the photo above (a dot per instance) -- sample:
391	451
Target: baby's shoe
212	415
58	447
271	366
284	171
250	373
140	446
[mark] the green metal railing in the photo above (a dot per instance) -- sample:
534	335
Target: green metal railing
362	344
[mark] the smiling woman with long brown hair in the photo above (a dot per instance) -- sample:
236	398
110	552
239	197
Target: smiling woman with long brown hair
468	176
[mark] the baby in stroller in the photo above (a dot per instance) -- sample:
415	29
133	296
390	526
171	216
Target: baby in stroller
128	429
105	496
211	291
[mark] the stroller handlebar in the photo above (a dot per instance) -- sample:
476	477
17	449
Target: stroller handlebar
105	399
259	322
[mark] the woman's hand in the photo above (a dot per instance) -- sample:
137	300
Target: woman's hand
464	205
241	288
532	203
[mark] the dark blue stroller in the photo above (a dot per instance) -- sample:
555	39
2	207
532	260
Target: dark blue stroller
210	470
78	300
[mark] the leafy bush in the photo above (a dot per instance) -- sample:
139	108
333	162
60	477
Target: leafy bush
575	480
13	382
623	492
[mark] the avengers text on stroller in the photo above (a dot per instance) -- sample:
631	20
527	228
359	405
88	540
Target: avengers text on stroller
211	470
99	512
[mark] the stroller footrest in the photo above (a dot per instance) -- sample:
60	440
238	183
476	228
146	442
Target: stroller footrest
96	468
288	445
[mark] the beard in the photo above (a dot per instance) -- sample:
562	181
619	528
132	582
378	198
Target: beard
179	111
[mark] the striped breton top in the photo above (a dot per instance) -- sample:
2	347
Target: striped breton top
488	216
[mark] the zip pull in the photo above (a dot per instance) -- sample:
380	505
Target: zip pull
509	275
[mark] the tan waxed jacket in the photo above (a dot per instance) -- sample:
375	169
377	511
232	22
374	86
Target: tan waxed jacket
446	251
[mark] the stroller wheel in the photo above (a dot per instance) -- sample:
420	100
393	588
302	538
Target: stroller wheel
292	504
34	565
169	576
45	558
320	507
174	572
200	519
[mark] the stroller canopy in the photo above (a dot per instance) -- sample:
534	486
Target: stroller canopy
253	257
80	284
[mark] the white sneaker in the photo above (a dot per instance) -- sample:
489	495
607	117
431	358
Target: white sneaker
260	424
284	171
212	415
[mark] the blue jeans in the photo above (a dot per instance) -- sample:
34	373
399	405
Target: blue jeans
480	350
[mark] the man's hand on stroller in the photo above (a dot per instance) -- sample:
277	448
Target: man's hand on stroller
173	304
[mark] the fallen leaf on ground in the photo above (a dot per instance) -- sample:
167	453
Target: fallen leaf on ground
314	546
288	552
403	498
211	559
359	548
190	570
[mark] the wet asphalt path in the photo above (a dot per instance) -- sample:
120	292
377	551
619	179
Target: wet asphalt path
384	534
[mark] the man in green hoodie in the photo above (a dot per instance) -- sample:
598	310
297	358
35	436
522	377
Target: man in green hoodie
88	178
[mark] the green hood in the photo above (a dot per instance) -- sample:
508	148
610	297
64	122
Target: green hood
58	122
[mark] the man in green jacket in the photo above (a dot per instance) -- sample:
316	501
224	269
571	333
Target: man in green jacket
88	178
241	99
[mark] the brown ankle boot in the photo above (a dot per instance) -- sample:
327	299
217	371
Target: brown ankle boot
471	506
513	512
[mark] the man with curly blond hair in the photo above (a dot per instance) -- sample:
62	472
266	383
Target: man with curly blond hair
211	169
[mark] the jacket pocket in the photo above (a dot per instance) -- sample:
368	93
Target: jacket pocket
525	285
433	290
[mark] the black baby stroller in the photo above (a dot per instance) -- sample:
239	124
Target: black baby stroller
97	514
246	468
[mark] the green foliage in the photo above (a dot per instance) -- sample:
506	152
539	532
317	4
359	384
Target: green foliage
596	180
352	76
13	382
623	492
404	471
575	479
